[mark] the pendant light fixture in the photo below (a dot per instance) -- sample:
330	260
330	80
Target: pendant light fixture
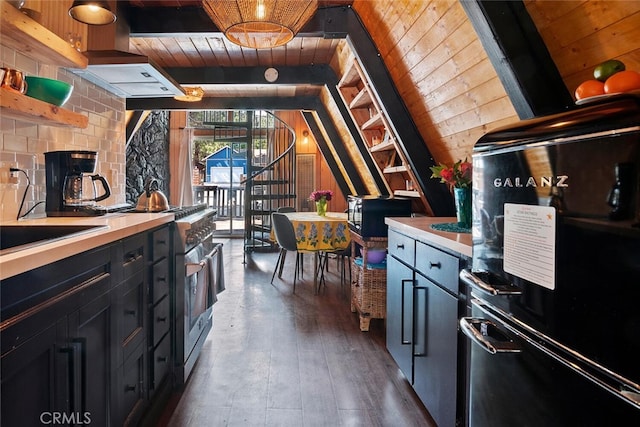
191	94
92	12
260	24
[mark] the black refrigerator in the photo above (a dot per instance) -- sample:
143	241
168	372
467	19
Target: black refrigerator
554	287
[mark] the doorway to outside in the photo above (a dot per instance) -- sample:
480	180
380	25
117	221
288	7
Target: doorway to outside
220	141
228	147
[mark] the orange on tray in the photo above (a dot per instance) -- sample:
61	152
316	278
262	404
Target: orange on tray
622	81
589	88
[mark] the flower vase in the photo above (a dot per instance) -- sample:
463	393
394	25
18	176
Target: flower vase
463	206
321	207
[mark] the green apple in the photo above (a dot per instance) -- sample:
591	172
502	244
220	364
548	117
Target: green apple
607	69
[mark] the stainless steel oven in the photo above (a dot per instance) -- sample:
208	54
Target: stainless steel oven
555	281
199	277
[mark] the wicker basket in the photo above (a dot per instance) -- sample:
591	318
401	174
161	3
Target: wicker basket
369	291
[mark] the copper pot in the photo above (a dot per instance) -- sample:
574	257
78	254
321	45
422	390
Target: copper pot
13	79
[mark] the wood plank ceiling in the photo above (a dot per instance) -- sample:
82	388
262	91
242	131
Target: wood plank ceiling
197	44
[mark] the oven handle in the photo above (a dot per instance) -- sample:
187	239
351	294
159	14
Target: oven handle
494	346
196	267
475	282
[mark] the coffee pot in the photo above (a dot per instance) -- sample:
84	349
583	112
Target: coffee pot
73	187
80	190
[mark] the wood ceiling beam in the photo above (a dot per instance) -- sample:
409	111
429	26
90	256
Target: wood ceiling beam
410	141
168	21
332	162
519	56
231	103
298	75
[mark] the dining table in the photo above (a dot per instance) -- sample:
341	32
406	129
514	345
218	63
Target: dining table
320	235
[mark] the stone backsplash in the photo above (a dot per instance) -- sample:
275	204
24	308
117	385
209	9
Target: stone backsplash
148	156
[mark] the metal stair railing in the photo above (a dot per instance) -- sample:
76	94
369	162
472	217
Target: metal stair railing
270	182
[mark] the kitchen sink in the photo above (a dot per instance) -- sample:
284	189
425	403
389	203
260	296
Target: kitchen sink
18	237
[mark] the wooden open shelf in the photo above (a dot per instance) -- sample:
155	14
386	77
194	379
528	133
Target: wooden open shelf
406	193
383	146
395	169
374	122
351	77
21	107
362	101
25	35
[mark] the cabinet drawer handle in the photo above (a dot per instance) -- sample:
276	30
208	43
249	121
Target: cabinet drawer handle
161	319
130	312
400	246
130	388
131	257
435	265
162	359
161	279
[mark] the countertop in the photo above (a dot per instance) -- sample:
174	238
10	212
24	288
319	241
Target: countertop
114	226
420	228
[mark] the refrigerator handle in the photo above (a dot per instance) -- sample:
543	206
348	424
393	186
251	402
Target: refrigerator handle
612	382
487	335
475	282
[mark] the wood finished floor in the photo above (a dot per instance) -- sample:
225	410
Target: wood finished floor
275	358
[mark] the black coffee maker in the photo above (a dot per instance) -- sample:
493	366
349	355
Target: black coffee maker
71	189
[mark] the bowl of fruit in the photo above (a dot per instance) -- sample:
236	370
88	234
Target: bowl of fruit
609	78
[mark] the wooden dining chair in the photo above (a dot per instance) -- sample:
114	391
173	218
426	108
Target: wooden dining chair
286	239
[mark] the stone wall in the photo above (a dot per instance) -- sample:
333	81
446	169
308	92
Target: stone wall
148	156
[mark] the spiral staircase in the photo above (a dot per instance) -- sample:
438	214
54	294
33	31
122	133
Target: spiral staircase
270	182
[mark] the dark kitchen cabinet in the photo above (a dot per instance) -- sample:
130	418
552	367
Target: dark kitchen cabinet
399	321
56	350
91	359
160	331
75	335
159	311
131	319
435	347
36	371
422	322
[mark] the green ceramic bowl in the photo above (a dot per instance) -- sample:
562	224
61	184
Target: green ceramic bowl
52	91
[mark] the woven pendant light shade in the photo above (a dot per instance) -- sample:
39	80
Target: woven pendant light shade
260	24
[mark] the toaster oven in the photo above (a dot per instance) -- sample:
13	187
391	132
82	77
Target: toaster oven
366	214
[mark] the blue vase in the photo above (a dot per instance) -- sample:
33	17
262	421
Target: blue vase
463	206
